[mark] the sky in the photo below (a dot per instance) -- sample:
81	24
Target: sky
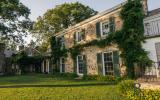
39	7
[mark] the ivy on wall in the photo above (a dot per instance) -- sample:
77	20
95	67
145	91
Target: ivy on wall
128	39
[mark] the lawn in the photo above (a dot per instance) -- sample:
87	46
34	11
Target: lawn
49	87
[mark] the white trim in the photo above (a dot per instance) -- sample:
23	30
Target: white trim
101	27
103	61
81	74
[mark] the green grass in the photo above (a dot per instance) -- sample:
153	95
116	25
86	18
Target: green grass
99	92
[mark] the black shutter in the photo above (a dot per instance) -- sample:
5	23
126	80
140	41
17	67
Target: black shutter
74	38
75	65
116	64
99	63
83	34
85	65
98	29
112	24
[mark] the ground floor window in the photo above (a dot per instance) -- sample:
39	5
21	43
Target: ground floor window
108	63
62	65
80	65
158	51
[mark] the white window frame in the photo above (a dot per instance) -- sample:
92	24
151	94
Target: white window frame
78	33
81	74
104	62
61	63
101	27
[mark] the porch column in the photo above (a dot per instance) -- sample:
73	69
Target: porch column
47	65
42	66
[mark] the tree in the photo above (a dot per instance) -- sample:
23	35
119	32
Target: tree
14	22
59	18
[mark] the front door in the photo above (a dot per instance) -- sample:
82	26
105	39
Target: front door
108	63
80	65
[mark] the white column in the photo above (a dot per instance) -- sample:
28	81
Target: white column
42	66
48	64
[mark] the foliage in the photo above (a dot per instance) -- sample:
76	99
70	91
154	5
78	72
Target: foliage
66	75
102	78
126	86
129	39
59	18
23	60
127	89
57	51
131	36
14	20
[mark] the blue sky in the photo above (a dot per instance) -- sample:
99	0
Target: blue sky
39	7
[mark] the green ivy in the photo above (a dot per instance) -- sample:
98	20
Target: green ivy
128	39
57	51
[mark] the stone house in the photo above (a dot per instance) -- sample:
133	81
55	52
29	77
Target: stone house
94	60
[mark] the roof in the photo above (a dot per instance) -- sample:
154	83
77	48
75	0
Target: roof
154	12
92	18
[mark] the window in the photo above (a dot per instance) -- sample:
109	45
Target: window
79	35
158	51
80	65
62	65
108	63
105	29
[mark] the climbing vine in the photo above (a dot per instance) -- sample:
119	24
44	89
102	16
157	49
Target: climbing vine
57	51
131	36
129	39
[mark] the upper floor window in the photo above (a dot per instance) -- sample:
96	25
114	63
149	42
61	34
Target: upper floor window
105	29
61	42
79	35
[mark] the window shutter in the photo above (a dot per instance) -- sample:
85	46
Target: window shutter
112	24
116	64
74	38
85	65
75	65
83	34
98	29
99	64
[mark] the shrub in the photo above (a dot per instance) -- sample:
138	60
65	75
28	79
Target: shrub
102	78
127	89
66	75
126	85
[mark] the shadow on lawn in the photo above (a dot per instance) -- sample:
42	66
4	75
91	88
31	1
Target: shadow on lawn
69	85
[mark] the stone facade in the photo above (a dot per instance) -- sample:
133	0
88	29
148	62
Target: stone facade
93	29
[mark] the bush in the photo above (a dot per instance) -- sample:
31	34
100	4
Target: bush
102	78
66	75
127	89
126	85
